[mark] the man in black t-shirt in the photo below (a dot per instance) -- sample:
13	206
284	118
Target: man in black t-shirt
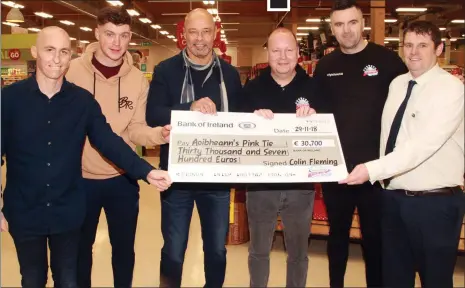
353	83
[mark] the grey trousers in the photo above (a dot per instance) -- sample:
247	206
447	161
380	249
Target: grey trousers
295	208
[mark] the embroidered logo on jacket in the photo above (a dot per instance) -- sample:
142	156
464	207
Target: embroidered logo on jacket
125	103
370	70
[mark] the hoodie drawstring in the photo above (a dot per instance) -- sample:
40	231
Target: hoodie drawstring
119	90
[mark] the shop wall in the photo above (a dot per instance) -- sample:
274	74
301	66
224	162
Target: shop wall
457	57
251	55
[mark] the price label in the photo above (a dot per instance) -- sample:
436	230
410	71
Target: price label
314	143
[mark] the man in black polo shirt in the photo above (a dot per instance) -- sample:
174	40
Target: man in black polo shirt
353	83
45	120
283	87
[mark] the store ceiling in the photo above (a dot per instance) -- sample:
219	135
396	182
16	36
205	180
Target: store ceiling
244	21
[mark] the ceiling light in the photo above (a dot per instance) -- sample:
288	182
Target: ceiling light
72	38
317	20
367	28
390	20
145	20
171	36
10	24
209	2
391	39
115	3
155	26
232	23
223	36
307	28
66	22
386	42
175	40
84	41
212	10
43	15
299	38
222	31
85	29
133	44
442	28
163	32
458	21
15	16
34	29
132	12
453	39
411	9
301	34
12	4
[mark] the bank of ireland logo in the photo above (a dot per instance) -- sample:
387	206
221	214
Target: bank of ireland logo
301	102
370	70
247	125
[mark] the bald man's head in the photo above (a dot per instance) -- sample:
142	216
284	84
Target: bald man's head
283	51
50	32
52	51
199	14
199	31
279	32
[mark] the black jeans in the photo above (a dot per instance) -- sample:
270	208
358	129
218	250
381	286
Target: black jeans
33	260
296	210
119	197
176	213
421	234
340	202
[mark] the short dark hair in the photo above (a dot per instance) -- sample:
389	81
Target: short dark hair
422	27
343	5
113	15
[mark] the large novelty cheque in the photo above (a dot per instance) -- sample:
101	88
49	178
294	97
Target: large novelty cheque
246	148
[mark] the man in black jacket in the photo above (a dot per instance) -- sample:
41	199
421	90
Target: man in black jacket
284	87
353	83
45	120
197	80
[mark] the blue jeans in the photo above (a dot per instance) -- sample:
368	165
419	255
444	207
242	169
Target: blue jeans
33	263
176	209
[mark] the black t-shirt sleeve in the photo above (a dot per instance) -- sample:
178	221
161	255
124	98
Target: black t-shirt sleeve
319	100
398	67
246	103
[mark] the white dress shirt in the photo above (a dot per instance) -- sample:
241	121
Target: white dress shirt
429	151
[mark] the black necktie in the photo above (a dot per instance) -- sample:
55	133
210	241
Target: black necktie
391	142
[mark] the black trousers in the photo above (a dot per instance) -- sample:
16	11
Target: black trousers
33	260
340	202
421	234
119	198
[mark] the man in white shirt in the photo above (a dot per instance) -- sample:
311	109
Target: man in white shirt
421	165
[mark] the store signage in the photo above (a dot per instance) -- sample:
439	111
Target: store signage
146	44
14	54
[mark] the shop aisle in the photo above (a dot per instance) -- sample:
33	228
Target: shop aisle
149	242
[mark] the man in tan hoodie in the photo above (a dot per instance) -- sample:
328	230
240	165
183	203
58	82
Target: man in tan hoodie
106	70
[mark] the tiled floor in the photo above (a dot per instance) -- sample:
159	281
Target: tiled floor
149	242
